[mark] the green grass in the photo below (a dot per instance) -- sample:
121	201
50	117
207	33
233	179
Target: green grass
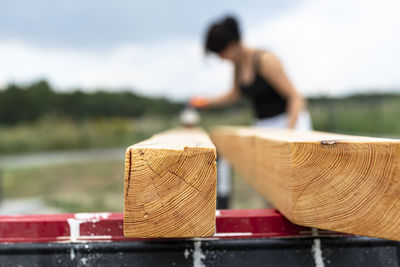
373	118
62	134
98	186
52	133
93	187
89	187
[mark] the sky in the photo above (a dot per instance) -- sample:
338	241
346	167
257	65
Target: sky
328	47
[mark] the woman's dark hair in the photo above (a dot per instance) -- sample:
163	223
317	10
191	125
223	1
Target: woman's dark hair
221	33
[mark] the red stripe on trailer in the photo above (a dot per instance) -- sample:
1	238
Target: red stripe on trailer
86	227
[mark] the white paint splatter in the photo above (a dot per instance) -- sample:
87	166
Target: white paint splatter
198	255
75	223
316	249
74	229
92	217
95	237
186	253
72	254
85	238
233	234
84	261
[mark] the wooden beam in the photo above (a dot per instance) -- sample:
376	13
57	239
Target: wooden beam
170	186
336	182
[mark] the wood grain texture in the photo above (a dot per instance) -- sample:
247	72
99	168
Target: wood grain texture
170	186
336	182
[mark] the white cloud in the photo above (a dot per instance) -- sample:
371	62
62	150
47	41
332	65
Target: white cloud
329	47
337	46
174	68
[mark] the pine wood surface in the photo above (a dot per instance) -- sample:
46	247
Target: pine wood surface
170	186
330	181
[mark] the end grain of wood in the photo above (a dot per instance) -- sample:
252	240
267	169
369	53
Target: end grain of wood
170	186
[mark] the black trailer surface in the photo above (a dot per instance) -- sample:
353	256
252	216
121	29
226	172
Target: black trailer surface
331	251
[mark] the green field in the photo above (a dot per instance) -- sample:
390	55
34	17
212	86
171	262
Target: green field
98	186
374	116
91	187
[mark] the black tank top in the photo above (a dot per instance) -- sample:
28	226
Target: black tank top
266	101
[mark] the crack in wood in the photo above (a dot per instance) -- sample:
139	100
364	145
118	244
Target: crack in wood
315	210
186	182
129	174
155	186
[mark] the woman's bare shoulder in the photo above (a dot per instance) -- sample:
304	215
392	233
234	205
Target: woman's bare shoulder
268	61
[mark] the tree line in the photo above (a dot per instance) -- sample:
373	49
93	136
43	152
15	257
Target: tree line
24	103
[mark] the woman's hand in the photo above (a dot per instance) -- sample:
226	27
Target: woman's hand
199	102
295	105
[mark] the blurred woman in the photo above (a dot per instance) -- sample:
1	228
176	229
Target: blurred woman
258	76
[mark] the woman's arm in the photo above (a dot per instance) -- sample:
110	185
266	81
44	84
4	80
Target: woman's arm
271	69
227	98
222	100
